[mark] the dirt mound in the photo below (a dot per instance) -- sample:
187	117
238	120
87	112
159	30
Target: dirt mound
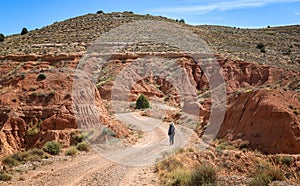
268	119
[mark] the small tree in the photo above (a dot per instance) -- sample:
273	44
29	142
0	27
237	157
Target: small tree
181	21
100	12
2	37
142	102
260	46
24	31
41	76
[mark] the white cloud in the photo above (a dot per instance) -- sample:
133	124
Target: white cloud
220	5
297	13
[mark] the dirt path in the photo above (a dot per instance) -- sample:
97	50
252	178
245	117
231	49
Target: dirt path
122	166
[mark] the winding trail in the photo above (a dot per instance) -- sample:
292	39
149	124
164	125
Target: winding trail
121	166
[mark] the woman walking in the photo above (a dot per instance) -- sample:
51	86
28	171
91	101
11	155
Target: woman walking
171	133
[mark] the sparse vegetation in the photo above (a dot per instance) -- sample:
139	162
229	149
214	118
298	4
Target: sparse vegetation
78	138
42	95
52	147
4	176
23	157
34	129
173	172
275	173
287	160
180	177
223	145
260	180
203	174
71	151
10	161
41	76
24	31
142	102
2	38
166	169
265	173
83	146
108	131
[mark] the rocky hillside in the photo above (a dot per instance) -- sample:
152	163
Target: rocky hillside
281	44
260	67
72	35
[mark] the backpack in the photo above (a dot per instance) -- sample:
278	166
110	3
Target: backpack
171	130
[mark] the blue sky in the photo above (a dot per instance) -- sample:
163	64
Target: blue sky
32	14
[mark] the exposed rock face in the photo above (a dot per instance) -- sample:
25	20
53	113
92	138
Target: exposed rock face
12	134
267	119
59	122
27	101
264	108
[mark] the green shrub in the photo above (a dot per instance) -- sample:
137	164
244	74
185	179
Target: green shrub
260	180
263	50
108	131
4	176
71	151
10	161
42	95
42	76
170	164
275	173
100	12
180	177
288	160
39	152
78	138
181	21
52	147
142	102
2	38
83	146
203	174
23	157
24	31
265	173
33	131
260	46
